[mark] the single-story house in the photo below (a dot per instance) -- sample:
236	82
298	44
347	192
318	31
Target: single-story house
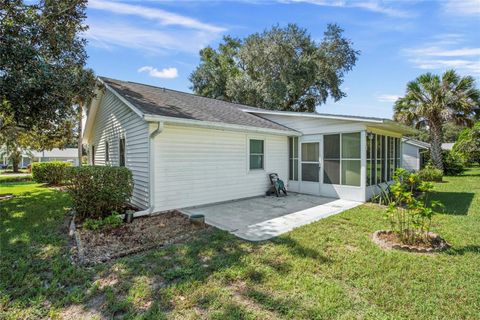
56	154
413	153
186	150
447	146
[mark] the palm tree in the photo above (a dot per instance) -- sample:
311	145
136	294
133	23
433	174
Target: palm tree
431	101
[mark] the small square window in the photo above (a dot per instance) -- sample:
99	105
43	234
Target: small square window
257	157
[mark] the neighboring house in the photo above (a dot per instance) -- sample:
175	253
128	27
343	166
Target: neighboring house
447	146
186	150
67	154
413	153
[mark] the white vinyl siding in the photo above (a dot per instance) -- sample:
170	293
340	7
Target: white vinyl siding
114	120
410	157
197	166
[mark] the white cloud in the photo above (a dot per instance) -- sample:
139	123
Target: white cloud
446	52
370	5
387	97
108	35
166	73
150	30
462	7
442	52
163	17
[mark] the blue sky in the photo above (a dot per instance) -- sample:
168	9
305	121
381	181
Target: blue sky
157	42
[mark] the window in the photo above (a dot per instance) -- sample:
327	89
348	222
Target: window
351	163
293	158
383	158
310	162
256	154
93	155
371	159
342	163
331	155
121	147
397	152
107	152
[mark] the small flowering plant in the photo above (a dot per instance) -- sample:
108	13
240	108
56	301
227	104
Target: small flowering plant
410	210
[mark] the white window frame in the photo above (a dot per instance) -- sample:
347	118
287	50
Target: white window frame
264	164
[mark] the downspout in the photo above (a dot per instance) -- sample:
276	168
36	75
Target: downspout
151	188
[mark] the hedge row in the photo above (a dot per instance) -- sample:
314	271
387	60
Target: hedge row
52	173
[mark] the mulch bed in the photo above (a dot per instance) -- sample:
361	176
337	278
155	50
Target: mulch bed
390	240
142	234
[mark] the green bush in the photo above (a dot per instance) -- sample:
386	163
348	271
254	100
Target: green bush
430	173
111	221
453	163
51	173
97	191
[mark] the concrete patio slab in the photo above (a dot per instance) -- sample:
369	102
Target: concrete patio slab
262	218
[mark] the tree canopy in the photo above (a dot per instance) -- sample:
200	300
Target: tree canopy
431	101
42	74
468	144
280	69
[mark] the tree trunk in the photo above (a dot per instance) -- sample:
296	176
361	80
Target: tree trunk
16	157
80	135
436	146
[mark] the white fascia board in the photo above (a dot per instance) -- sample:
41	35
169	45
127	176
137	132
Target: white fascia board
217	125
119	96
413	143
313	115
92	113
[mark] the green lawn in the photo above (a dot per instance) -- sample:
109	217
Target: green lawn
329	269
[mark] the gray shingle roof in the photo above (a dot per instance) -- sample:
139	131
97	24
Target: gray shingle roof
170	103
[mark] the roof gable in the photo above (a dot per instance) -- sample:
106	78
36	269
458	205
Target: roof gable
150	100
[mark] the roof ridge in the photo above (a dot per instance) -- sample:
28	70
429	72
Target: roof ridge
183	92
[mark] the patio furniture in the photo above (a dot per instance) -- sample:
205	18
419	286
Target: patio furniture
277	185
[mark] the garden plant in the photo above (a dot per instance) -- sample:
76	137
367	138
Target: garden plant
410	210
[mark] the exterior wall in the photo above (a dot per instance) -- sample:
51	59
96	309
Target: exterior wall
309	126
195	166
410	157
115	120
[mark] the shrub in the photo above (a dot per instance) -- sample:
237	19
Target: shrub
50	172
430	173
97	191
111	221
410	216
453	163
7	179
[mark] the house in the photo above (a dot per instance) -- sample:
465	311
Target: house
186	150
447	146
413	153
56	154
67	155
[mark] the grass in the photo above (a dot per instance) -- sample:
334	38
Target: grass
328	269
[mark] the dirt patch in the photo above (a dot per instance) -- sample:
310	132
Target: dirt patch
142	234
390	240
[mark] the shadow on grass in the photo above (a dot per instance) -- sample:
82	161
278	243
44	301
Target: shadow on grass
36	272
456	203
463	250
